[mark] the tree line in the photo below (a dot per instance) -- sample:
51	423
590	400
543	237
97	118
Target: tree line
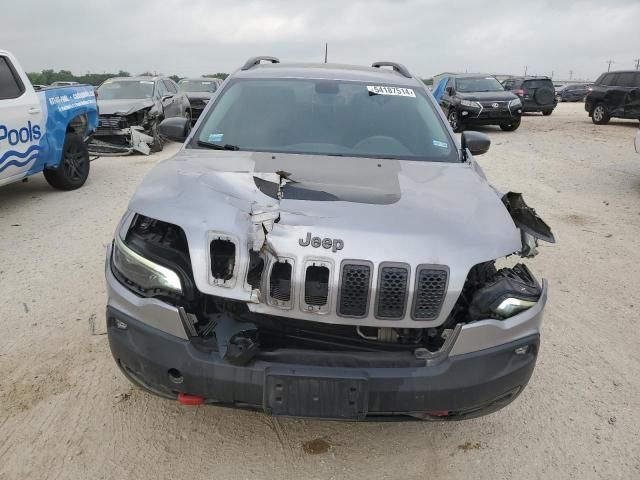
48	76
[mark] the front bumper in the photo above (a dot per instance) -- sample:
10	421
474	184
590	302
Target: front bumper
481	373
503	116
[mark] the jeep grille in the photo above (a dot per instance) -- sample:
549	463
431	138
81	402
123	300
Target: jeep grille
354	290
391	299
430	289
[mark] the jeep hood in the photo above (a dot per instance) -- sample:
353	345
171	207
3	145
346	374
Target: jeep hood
382	210
487	96
124	107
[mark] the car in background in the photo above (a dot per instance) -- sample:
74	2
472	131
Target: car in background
537	93
572	93
614	95
199	91
131	108
472	99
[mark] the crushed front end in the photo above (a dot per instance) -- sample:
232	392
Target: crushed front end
123	134
263	312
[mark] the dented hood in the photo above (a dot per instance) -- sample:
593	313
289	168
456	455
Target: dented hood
123	107
443	206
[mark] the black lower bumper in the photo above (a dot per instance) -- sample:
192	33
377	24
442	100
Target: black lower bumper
495	120
332	385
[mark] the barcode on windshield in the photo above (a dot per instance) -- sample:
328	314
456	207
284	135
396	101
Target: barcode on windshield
395	91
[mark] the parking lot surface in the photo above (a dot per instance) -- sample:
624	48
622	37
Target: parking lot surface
67	412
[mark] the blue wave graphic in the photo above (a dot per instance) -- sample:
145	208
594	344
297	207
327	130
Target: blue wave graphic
17	163
13	153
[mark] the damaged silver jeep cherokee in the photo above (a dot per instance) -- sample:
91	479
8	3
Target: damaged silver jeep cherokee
322	246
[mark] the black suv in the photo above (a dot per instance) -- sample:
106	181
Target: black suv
537	93
479	100
615	94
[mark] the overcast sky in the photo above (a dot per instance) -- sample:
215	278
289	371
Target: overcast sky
193	37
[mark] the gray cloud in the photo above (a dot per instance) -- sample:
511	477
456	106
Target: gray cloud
195	37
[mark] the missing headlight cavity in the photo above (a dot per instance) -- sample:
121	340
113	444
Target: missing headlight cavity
316	285
280	281
223	259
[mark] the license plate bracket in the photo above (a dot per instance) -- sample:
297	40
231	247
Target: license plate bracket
300	395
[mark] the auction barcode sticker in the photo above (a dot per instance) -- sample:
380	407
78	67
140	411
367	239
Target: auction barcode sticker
396	91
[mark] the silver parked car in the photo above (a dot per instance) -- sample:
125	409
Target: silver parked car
323	246
131	108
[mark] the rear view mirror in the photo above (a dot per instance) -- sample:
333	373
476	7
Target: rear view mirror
175	128
477	143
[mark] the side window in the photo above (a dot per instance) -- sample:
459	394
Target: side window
608	79
170	86
508	84
160	88
10	84
626	79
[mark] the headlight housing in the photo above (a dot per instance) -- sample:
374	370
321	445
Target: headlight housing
504	294
470	104
515	103
142	272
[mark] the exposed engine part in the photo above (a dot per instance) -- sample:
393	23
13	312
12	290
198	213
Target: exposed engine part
242	348
515	283
256	267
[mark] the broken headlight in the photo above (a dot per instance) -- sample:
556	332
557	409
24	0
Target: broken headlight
508	292
142	272
470	104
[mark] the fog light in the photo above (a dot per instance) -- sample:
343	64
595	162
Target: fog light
519	110
521	350
465	113
120	325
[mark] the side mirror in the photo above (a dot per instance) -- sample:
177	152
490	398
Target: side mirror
175	128
449	90
477	143
637	142
166	96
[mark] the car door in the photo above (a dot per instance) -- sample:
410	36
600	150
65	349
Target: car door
630	81
165	98
447	95
21	123
173	106
615	95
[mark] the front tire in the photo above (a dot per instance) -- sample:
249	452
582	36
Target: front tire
454	121
73	170
546	113
600	116
511	127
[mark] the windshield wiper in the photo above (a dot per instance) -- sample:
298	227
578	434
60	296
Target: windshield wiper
216	146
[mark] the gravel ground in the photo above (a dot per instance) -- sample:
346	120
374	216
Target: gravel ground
67	412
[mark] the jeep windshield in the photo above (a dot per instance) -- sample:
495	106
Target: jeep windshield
125	90
478	84
326	117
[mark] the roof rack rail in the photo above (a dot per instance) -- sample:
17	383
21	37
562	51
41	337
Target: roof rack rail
253	61
397	67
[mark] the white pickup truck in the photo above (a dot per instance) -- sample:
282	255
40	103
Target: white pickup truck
44	131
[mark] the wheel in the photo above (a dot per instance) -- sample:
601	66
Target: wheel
546	113
454	121
600	116
510	127
157	144
74	165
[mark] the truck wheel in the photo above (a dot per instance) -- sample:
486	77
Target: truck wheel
74	165
600	116
546	113
510	127
454	122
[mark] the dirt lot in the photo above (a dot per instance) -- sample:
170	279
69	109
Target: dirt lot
66	411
